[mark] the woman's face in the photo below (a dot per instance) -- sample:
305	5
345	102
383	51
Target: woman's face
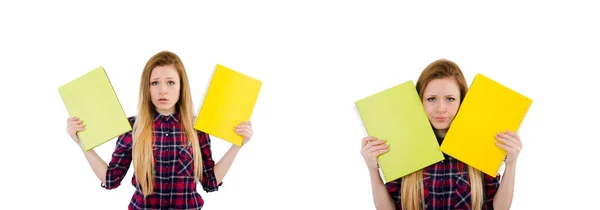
164	88
441	100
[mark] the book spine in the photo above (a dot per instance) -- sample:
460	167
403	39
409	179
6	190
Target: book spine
362	124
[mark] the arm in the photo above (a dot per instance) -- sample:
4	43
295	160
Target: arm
511	142
213	174
97	164
504	196
224	164
371	149
381	196
109	176
74	125
244	129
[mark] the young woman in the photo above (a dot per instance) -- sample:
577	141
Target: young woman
169	156
448	184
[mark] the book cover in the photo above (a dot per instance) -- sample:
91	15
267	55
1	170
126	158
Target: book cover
91	98
229	100
488	108
397	115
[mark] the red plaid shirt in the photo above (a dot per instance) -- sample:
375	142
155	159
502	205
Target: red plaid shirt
174	185
446	186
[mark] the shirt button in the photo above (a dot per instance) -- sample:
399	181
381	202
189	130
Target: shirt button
167	134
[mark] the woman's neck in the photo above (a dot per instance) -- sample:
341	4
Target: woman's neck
165	112
441	133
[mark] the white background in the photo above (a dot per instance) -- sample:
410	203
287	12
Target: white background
316	58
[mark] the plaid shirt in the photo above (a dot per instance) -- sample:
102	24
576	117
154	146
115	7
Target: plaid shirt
174	185
446	186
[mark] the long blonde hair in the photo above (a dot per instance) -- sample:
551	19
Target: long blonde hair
143	158
411	191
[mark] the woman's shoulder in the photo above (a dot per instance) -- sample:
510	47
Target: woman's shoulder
131	120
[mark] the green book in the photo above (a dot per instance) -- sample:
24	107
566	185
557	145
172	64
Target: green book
397	115
91	98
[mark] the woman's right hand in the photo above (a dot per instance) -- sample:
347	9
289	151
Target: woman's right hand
371	149
74	125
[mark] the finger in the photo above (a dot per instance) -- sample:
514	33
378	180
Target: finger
507	137
238	129
243	133
75	127
375	154
74	122
514	135
367	147
241	126
380	152
375	148
516	141
506	141
73	119
372	143
242	130
244	127
367	139
377	142
506	148
74	130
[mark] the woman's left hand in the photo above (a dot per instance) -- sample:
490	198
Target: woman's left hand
244	129
511	142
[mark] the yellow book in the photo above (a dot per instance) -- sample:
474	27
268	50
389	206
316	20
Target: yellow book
91	98
488	108
397	115
229	100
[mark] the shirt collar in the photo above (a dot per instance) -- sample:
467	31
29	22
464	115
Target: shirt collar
166	118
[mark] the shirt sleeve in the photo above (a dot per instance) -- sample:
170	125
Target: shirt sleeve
490	185
120	162
209	180
393	188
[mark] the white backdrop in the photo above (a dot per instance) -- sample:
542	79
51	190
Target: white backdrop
315	59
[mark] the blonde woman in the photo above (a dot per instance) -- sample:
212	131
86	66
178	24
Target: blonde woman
448	184
169	157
